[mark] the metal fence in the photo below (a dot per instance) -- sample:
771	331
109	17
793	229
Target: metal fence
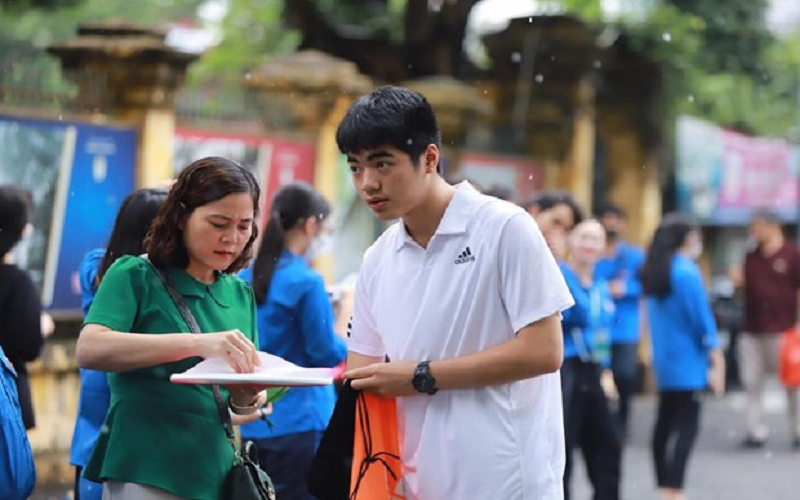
38	83
218	108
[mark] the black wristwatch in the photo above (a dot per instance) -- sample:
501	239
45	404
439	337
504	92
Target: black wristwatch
423	381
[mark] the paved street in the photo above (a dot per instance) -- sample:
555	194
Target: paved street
718	470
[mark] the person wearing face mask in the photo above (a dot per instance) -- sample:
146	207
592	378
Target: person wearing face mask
686	348
296	322
620	268
585	375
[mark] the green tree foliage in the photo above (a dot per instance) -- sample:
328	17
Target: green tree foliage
719	62
28	26
250	30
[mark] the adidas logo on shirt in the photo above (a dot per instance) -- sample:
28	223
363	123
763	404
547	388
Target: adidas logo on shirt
465	256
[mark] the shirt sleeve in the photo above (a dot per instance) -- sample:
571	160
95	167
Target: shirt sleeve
323	347
576	316
532	286
253	316
796	267
364	337
22	339
633	287
17	471
116	304
87	273
692	293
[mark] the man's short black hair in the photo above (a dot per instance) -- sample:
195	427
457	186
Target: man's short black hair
545	200
389	116
501	192
768	216
608	208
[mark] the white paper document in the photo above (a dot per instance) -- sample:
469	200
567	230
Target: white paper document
273	372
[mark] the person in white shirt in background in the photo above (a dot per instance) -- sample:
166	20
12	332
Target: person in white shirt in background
464	297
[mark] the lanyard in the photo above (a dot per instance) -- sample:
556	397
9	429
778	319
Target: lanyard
584	351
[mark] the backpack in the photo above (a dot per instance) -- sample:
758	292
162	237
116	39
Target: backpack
17	470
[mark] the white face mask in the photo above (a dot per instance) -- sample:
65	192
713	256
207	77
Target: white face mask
321	245
695	251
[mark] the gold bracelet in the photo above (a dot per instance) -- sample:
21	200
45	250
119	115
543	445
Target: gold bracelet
243	410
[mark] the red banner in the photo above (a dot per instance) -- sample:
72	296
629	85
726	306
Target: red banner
275	161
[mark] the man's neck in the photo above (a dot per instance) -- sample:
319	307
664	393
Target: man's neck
8	258
612	247
422	222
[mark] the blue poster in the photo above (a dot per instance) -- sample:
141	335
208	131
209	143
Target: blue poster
102	174
78	174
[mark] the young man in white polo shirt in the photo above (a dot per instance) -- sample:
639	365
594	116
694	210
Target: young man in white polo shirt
464	297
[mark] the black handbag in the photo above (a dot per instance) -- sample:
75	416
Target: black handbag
246	480
329	478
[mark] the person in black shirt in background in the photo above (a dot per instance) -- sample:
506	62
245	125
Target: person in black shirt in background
20	306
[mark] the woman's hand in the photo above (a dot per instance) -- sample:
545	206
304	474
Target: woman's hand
608	385
249	419
245	395
232	346
716	373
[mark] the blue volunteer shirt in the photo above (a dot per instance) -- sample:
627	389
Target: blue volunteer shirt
296	323
95	394
17	470
683	330
592	315
624	265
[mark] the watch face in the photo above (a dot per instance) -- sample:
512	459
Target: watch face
425	384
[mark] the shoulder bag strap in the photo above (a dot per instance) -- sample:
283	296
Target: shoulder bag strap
191	322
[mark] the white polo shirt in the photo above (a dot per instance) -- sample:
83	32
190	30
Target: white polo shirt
486	274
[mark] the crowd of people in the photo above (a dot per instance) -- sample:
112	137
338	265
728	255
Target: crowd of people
508	333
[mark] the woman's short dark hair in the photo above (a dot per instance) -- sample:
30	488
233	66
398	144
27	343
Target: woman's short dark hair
15	212
670	236
204	181
133	221
292	205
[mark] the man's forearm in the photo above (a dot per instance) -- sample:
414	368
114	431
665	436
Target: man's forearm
530	354
500	365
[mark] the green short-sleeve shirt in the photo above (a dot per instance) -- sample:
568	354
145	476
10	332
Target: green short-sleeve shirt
157	433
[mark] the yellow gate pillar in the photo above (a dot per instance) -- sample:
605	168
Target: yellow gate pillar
141	76
577	173
308	92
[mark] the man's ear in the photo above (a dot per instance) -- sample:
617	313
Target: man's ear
431	157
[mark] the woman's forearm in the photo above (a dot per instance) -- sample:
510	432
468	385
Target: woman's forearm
102	349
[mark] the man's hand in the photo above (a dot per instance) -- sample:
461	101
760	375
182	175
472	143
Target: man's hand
391	379
617	288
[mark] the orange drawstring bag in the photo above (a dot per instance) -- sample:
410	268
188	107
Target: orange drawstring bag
790	359
377	469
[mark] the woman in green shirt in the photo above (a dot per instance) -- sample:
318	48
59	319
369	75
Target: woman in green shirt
164	440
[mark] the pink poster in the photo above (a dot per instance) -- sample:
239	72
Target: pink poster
274	160
757	173
523	175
